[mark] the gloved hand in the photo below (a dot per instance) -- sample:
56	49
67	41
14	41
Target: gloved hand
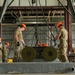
18	43
25	45
58	45
54	39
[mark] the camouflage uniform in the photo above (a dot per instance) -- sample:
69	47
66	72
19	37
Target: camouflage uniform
18	49
0	51
5	54
63	45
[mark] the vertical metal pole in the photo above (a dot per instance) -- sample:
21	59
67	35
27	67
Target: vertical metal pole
68	23
45	2
51	37
19	3
36	26
0	30
51	29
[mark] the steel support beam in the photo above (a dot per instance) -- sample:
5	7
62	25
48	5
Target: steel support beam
5	5
68	23
71	6
0	30
36	26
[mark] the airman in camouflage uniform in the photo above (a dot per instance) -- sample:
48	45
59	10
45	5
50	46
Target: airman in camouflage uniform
18	42
63	37
0	49
5	52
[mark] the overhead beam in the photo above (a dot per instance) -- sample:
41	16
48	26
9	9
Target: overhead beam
65	8
4	7
71	6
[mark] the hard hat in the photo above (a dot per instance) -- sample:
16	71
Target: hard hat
44	44
38	44
59	23
7	43
23	25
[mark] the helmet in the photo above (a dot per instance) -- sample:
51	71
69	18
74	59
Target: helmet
59	23
23	25
7	43
44	44
38	44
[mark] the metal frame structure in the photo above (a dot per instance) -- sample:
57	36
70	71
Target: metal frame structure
5	5
45	67
47	8
27	10
8	2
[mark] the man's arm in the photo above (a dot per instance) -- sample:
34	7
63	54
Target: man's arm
17	40
23	42
16	37
57	36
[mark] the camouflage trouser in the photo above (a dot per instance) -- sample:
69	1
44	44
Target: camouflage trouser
17	52
62	54
0	55
0	51
5	59
5	56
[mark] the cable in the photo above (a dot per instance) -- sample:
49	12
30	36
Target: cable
28	32
29	2
35	25
65	8
14	15
30	6
33	1
47	23
48	37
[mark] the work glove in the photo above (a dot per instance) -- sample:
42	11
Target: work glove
54	40
58	45
18	43
26	46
